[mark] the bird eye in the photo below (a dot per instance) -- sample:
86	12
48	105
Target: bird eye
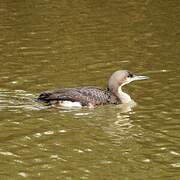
130	75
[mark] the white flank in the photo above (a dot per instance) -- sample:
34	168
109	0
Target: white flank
70	104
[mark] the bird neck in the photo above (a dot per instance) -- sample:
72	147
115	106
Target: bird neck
116	90
124	97
115	87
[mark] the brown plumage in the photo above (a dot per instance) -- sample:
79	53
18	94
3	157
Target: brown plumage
85	95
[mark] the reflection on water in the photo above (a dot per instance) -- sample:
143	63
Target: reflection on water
45	45
18	99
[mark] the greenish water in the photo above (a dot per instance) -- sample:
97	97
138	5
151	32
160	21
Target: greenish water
49	44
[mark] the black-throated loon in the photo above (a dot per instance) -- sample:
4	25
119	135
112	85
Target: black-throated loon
94	96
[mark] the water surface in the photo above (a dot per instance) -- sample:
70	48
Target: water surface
49	44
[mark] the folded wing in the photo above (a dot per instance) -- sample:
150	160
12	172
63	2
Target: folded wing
86	95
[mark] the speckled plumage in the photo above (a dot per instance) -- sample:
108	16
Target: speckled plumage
85	95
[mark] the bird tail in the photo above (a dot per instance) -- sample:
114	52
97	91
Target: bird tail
44	97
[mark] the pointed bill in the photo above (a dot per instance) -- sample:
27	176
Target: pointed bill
137	78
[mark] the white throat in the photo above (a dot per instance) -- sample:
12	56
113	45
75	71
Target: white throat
124	97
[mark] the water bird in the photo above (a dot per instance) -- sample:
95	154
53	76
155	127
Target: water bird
93	96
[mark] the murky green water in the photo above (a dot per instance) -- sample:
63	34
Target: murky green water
49	44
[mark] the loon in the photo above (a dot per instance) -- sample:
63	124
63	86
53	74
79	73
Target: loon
94	96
